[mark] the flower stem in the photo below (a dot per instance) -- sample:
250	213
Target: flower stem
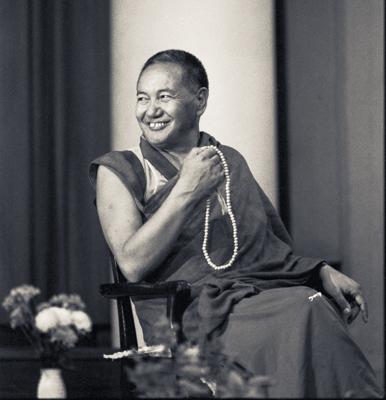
30	339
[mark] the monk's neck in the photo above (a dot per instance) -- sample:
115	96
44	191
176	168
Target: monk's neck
176	155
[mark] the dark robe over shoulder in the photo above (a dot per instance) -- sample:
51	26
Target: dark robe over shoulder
253	306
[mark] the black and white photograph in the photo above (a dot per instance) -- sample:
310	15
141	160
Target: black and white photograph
193	199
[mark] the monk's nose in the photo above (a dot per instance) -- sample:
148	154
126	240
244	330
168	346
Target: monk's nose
154	110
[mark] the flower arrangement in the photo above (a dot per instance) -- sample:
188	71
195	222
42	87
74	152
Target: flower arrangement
51	327
192	371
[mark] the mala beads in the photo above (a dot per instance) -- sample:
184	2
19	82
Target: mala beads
231	217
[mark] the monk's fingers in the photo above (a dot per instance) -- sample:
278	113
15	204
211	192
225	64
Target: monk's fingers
197	150
209	152
207	149
213	158
360	300
202	151
354	313
218	171
342	302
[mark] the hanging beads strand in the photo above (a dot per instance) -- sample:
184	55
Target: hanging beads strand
231	217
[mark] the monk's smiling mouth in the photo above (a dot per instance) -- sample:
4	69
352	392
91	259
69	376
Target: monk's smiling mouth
157	126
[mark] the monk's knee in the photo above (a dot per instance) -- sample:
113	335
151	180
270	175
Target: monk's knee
310	301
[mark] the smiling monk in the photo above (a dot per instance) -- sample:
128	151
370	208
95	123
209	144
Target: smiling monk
182	206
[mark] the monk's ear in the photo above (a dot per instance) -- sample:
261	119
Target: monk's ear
201	100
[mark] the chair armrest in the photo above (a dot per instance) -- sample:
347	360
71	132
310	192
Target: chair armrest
129	289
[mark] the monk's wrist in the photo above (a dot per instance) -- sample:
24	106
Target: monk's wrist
323	269
185	194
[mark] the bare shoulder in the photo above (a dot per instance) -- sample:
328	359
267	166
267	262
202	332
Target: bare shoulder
112	194
109	188
107	179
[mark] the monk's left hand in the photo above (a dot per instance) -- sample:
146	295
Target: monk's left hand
345	291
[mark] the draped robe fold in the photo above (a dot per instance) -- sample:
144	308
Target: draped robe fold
259	307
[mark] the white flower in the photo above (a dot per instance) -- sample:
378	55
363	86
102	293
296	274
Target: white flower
64	316
52	317
46	320
20	296
81	320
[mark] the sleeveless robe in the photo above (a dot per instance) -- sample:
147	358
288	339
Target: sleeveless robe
260	307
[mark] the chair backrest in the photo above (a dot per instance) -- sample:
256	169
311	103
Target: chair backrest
177	294
127	332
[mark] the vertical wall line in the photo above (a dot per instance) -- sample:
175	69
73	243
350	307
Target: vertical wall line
31	103
35	125
60	145
384	151
281	111
341	127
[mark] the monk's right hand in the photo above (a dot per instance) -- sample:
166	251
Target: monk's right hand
201	173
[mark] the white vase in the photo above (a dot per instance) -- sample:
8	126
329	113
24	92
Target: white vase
51	384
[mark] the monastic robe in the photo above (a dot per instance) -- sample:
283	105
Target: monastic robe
260	307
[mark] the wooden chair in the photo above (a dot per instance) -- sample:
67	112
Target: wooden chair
177	294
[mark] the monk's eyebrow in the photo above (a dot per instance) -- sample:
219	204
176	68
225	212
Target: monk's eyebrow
171	91
167	90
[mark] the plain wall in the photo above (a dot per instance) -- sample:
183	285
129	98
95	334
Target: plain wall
361	111
313	153
335	98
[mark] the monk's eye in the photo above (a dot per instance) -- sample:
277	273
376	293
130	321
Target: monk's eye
142	99
164	97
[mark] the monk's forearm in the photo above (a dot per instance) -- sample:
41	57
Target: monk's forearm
147	248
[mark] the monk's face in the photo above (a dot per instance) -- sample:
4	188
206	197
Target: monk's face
166	108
